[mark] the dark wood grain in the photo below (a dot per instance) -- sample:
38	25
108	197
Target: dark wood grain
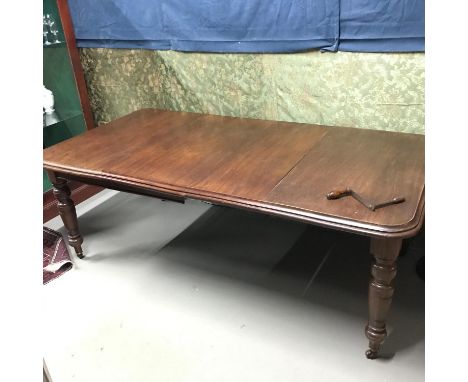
67	212
279	168
378	165
79	193
383	271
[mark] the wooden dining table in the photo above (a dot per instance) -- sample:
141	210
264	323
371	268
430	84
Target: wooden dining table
366	182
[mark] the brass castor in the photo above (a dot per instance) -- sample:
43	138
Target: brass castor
371	354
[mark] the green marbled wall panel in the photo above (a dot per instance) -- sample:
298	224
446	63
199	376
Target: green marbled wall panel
363	90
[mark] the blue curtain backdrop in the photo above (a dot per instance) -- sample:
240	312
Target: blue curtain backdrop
381	25
251	25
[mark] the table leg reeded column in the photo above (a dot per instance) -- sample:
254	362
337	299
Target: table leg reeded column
383	271
67	211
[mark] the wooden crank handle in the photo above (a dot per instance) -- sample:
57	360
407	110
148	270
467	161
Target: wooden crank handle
336	194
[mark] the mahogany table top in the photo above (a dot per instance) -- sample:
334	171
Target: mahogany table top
280	168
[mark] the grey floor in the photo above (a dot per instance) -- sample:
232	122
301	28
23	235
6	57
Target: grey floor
189	292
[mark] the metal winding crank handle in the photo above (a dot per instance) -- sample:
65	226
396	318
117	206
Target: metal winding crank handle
337	194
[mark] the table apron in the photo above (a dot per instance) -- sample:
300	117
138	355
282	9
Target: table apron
287	213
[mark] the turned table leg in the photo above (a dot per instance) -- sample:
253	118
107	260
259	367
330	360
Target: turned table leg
383	271
67	212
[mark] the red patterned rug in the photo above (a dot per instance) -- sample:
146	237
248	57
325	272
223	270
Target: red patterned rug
55	258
